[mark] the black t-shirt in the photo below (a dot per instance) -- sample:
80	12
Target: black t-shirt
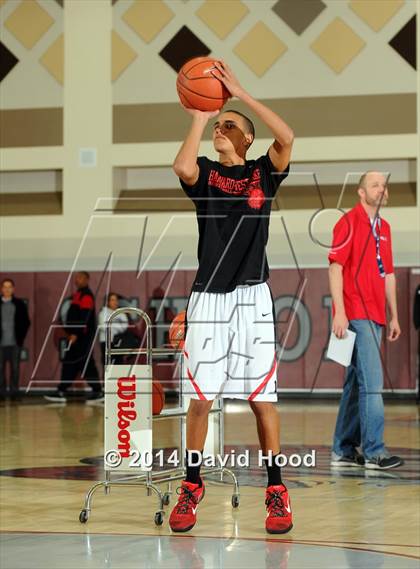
233	205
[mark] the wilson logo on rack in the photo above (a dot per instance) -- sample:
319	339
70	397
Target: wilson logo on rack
126	394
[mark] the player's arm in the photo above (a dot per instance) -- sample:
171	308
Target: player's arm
340	322
281	149
185	165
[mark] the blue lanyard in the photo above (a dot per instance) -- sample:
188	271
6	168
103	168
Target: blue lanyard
376	222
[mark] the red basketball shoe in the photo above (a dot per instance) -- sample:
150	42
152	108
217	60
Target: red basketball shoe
183	516
279	516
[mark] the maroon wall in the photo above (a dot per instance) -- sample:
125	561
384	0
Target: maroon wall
303	365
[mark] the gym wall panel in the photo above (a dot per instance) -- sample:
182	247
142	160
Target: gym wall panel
374	93
32	32
362	109
299	70
355	115
302	337
31	127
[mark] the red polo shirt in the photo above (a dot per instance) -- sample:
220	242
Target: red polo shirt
354	247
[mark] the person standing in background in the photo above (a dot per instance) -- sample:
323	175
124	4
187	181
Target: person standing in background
362	282
14	325
80	327
119	324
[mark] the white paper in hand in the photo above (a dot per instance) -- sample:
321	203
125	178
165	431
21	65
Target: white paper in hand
341	349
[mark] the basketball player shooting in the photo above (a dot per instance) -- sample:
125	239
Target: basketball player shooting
230	340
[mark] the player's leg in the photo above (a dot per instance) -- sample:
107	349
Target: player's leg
197	426
256	333
203	369
183	516
268	425
279	513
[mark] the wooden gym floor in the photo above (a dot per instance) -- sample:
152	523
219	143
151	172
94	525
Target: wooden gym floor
50	456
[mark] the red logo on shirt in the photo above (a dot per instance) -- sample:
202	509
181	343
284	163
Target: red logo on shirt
256	198
251	188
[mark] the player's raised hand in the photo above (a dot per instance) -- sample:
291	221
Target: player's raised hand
225	74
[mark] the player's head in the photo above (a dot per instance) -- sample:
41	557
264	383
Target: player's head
81	279
112	301
373	189
233	131
7	288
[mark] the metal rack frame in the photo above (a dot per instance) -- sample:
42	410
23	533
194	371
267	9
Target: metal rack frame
149	479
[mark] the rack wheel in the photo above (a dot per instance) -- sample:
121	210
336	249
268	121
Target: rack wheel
166	499
159	518
235	501
84	516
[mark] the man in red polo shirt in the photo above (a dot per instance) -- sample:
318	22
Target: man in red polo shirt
362	282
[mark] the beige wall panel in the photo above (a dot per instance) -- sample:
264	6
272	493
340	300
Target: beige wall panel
323	116
259	49
87	120
122	55
298	73
376	13
28	204
222	16
310	149
28	22
30	85
169	235
338	45
148	17
34	158
31	127
53	59
299	85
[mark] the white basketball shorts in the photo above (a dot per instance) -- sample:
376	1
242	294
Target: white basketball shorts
230	345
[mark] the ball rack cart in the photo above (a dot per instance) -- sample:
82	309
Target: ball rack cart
141	475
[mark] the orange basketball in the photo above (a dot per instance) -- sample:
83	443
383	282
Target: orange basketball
198	88
177	331
158	397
